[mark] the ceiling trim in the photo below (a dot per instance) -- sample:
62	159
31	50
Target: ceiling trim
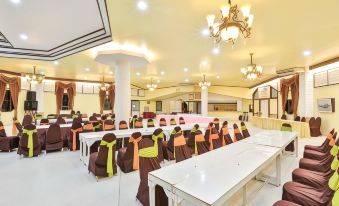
79	44
263	82
324	63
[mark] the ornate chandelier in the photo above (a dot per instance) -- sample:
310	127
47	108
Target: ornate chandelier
231	23
204	84
252	71
152	86
103	85
33	78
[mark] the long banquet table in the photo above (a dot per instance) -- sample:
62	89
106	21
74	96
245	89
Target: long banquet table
226	170
68	120
42	132
88	139
189	118
302	128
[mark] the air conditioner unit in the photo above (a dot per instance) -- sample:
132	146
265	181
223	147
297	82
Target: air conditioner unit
289	71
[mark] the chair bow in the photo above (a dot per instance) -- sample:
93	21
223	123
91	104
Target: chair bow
74	137
109	145
30	133
135	153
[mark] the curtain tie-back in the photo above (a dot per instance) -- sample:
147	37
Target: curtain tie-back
30	133
74	133
109	145
135	152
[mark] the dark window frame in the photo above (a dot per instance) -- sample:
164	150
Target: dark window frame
107	103
7	105
65	107
156	106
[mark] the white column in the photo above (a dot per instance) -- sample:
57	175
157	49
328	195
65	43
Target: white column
122	107
39	88
204	101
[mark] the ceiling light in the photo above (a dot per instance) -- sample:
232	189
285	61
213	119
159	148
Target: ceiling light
252	71
232	24
16	1
151	86
158	81
23	36
204	84
87	69
307	53
216	50
142	5
186	69
138	74
205	32
218	77
34	78
110	72
204	63
187	80
162	73
56	62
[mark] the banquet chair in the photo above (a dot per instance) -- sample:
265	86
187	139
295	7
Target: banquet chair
297	118
168	146
60	120
321	151
225	135
216	123
200	145
95	122
73	139
288	128
44	122
121	142
306	195
132	121
285	203
244	130
158	137
303	119
54	140
150	123
181	150
237	134
88	127
29	145
102	163
138	124
108	125
173	122
28	119
315	124
284	117
77	120
162	122
148	162
181	120
212	137
7	143
19	128
128	157
190	140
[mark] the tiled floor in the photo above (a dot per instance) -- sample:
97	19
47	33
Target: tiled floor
61	179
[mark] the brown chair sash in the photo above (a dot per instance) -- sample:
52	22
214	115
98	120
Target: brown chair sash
136	152
74	142
123	126
224	133
236	131
198	138
211	138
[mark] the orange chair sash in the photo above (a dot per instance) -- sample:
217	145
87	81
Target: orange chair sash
74	142
211	138
179	141
123	126
138	124
136	152
14	130
88	127
103	124
332	140
224	133
236	131
163	123
198	138
109	126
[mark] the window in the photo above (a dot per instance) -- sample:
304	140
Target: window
107	103
158	106
65	102
135	105
7	105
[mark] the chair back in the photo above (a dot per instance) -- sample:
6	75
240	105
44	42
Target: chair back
24	137
181	120
44	122
60	120
53	134
286	127
138	123
173	122
237	134
181	151
303	119
244	130
123	125
93	118
103	151
162	122
88	127
109	125
2	130
28	119
216	123
284	117
297	118
170	144
150	123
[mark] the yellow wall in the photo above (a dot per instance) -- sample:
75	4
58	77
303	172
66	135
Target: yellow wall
328	120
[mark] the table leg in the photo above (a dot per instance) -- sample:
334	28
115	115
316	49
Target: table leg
278	170
296	146
244	196
151	187
87	154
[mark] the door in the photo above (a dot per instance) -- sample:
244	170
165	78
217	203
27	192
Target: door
135	107
264	108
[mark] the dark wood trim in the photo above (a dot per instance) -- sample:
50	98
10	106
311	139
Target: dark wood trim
265	81
324	63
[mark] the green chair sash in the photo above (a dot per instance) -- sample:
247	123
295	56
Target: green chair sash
335	199
149	152
30	140
243	128
96	127
286	129
155	139
335	164
334	150
109	145
173	122
333	182
150	123
133	120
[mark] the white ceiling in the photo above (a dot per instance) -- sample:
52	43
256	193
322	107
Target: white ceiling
171	31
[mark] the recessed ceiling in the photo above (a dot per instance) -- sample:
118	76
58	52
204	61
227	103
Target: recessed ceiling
172	30
49	30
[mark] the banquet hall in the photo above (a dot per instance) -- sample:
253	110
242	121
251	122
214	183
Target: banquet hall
168	103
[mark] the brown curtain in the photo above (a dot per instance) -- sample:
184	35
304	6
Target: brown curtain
102	95
59	92
292	83
14	87
111	92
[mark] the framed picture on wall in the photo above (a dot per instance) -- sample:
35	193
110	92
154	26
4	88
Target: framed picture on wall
197	95
141	92
326	105
191	96
134	92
